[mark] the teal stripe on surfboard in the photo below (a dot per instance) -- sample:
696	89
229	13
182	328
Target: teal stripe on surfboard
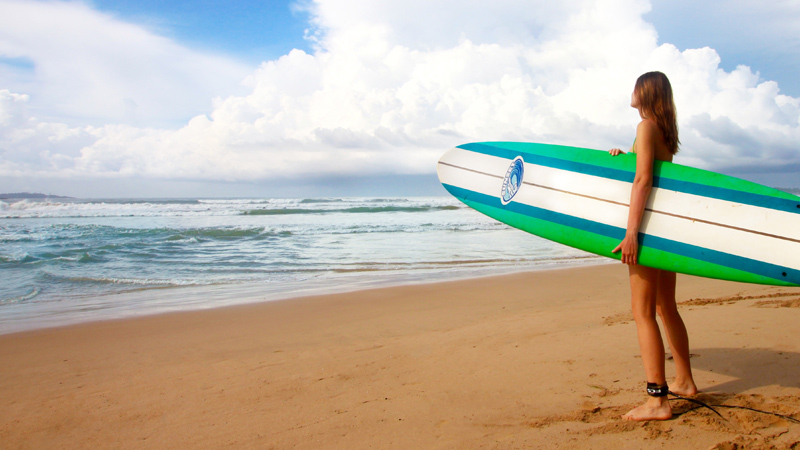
669	176
601	239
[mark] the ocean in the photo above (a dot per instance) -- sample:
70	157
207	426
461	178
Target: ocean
65	261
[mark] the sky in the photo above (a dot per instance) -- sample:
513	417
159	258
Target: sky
205	98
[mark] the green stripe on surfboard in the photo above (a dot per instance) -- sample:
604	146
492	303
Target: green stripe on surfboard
603	245
627	162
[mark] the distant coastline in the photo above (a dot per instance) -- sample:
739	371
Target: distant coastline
24	195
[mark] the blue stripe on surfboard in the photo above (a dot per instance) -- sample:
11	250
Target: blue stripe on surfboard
688	187
547	161
657	243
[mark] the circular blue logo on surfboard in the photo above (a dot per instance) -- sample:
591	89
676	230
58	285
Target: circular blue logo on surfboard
513	180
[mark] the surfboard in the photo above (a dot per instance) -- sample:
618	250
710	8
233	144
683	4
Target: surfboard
696	222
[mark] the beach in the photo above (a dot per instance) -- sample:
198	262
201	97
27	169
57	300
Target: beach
537	360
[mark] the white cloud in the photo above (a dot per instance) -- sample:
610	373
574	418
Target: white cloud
393	84
83	66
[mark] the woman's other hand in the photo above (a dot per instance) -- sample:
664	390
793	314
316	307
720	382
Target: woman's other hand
630	250
615	152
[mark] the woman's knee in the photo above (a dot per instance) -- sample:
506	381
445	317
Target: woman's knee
666	310
643	311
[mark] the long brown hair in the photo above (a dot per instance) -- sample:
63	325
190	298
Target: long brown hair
655	97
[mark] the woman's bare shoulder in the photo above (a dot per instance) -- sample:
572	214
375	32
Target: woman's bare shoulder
647	126
648	132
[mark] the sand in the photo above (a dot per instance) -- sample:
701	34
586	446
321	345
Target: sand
539	360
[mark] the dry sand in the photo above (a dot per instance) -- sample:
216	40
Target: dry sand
541	360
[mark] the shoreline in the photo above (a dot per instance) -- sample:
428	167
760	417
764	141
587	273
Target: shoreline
150	301
542	359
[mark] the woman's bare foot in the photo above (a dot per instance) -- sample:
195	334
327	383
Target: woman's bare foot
656	408
686	389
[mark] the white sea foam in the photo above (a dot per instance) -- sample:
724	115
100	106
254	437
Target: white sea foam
33	293
29	208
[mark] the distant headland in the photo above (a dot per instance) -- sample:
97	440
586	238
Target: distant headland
23	195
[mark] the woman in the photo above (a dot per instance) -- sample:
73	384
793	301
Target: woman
653	290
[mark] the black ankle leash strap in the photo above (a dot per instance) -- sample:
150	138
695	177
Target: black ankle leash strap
657	390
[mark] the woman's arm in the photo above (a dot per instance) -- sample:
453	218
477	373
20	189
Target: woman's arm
646	133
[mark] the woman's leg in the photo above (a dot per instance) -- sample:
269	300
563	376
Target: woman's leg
676	334
644	294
